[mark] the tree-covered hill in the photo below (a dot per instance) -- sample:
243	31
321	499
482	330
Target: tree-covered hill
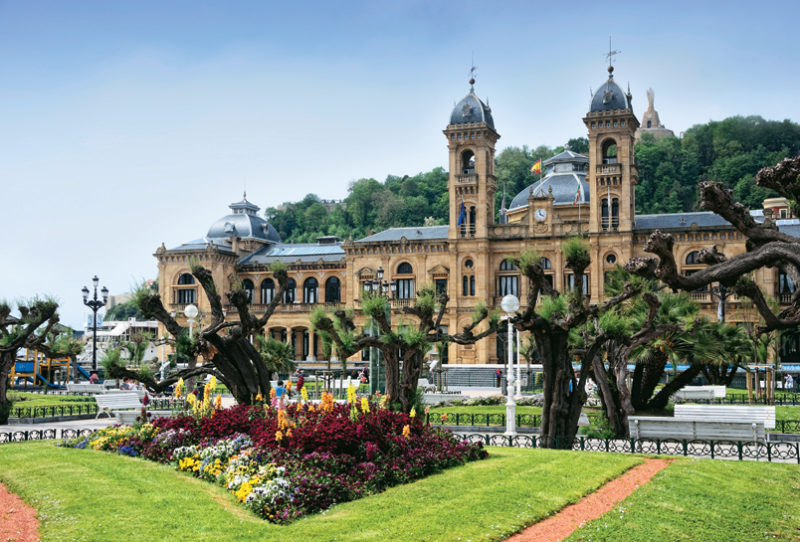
731	151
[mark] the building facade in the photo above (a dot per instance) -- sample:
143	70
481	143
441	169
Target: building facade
590	195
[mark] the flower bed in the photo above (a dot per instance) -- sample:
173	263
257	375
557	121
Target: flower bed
285	463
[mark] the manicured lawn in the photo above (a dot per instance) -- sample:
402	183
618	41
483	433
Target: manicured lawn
31	400
87	495
707	500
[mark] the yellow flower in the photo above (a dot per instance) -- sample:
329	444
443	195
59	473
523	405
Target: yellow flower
364	405
218	402
407	431
304	394
412	413
288	385
278	435
191	399
179	388
259	398
351	394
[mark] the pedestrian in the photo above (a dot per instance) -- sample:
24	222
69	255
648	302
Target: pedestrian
94	378
788	383
498	375
280	392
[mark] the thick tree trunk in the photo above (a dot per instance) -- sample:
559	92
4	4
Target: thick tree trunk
7	360
607	390
392	366
649	379
562	405
412	368
728	378
661	399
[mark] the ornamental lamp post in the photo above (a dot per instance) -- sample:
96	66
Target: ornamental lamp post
94	304
510	304
191	313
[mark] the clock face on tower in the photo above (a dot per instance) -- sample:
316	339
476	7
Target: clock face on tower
540	214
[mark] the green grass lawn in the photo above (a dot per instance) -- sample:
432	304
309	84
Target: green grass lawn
87	495
707	500
31	400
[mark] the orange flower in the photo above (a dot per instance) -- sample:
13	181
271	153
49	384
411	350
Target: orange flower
444	417
407	431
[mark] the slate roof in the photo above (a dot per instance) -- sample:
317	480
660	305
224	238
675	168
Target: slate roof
471	109
704	219
609	97
565	188
293	252
201	244
422	233
566	156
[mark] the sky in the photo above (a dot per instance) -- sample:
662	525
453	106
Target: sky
126	124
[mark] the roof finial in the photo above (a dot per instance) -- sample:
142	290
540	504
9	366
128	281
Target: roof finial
472	78
244	195
610	57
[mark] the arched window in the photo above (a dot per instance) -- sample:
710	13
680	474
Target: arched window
785	284
248	287
612	211
333	290
404	269
615	213
267	291
467	162
693	258
546	264
649	123
507	265
468	264
609	151
183	295
288	295
310	290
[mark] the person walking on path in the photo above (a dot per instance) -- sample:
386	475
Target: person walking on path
498	375
788	383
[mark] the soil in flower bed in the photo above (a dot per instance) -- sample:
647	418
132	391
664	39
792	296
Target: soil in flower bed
283	464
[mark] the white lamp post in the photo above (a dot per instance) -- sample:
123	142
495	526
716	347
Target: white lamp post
510	304
519	371
191	313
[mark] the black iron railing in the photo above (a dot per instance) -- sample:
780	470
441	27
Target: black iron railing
75	409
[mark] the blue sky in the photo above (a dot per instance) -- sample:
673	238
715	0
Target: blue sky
127	124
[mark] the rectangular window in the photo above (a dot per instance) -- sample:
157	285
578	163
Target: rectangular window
405	288
472	285
186	297
441	286
507	285
570	283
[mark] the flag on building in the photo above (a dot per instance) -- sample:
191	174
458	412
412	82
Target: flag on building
462	216
537	167
577	196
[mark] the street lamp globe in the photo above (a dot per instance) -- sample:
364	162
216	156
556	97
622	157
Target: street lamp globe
509	304
190	311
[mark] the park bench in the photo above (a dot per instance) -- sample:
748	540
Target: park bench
139	393
737	413
694	395
85	388
654	427
110	402
688	393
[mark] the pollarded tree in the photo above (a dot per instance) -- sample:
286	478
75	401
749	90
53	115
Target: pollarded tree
551	324
766	247
242	366
34	328
403	348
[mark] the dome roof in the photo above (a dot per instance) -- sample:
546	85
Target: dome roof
471	109
565	187
609	96
243	223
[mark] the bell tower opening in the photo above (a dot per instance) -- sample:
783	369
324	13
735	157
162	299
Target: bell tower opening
467	162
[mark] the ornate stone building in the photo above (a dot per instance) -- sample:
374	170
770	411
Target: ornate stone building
592	196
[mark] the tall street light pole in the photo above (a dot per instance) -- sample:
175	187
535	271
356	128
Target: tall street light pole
94	304
510	304
388	290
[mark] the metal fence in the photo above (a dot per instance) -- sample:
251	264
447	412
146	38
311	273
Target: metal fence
535	420
74	409
737	450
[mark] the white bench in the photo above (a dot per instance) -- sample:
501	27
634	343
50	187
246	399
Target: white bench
654	427
694	395
110	402
139	393
763	414
128	417
85	388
